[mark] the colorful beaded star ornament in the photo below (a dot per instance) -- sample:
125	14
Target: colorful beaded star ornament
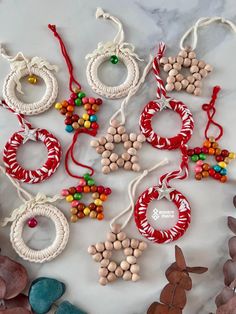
102	252
187	60
87	185
116	135
34	69
33	206
78	98
223	157
115	51
28	133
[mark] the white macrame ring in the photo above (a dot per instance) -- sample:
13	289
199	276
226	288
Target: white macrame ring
9	91
112	91
52	251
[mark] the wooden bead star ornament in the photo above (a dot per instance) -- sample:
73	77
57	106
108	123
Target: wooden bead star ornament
175	67
203	168
34	69
28	133
102	252
115	51
78	99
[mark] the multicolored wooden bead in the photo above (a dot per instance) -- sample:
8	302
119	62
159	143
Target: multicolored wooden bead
79	209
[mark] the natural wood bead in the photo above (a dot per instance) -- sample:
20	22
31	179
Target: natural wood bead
117	245
203	72
116	228
120	162
194	69
107	254
105	262
113	166
128	165
131	259
177	66
100	149
121	236
134	243
137	252
125	156
117	138
208	67
112	266
114	157
173	72
105	161
108	245
194	62
127	144
132	151
184	83
95	195
197	76
164	60
141	138
134	159
142	246
171	60
178	86
103	272
109	146
137	145
119	272
111	130
94	143
124	137
133	137
191	79
124	265
109	138
169	87
136	167
128	251
126	243
121	130
127	275
179	77
190	88
201	64
167	67
102	140
170	79
92	250
97	257
187	62
74	211
111	237
135	269
198	83
106	169
197	91
180	60
111	277
192	55
100	247
135	277
115	123
183	53
103	281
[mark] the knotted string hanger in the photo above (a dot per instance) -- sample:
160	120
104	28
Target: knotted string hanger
211	110
131	192
204	21
23	122
72	79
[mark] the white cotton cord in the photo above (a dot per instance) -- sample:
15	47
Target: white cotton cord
132	92
204	21
131	192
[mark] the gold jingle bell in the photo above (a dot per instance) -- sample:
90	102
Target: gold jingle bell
32	79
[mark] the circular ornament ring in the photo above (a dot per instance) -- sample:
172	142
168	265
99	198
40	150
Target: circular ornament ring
112	91
32	176
163	142
50	95
52	251
162	236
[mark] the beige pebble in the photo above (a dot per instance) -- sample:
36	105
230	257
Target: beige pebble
107	254
208	67
179	77
113	157
177	66
109	146
111	130
132	151
119	272
111	237
115	123
92	250
121	130
169	87
134	159
120	162
135	269
117	245
134	243
197	76
125	156
183	53
133	137
102	140
194	62
197	91
167	67
190	88
128	251
136	167
141	138
127	165
117	138
184	83
121	236
135	277
203	72
131	259
103	272
108	245
113	166
163	60
180	60
100	149
170	79
201	64
192	55
124	137
94	143
116	228
106	169
171	60
187	62
198	83
109	138
142	246
178	86
194	69
105	161
137	252
127	144
137	145
103	281
173	72
105	262
124	265
126	243
97	257
112	266
191	79
100	247
111	277
127	275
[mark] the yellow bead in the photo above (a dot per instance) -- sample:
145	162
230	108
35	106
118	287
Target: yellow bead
222	164
58	106
32	79
98	202
232	155
86	211
87	124
69	198
85	116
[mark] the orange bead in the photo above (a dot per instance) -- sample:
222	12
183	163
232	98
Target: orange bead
100	216
64	103
211	151
87	106
205	174
70	108
95	107
205	166
207	144
223	179
198	176
217	151
215	145
103	197
86	189
99	209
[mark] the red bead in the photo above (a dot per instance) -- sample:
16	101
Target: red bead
94	125
190	152
73	96
79	189
217	176
91	112
68	121
100	189
69	114
32	223
211	172
63	111
71	102
107	191
98	101
75	117
219	158
225	153
204	150
197	150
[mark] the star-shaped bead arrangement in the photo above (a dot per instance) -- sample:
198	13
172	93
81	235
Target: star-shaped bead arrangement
102	252
79	209
28	134
105	146
203	169
198	70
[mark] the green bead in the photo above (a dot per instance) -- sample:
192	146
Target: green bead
86	176
195	158
78	102
114	59
77	196
91	182
202	156
81	95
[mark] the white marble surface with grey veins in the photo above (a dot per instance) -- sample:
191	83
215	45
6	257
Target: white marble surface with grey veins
24	28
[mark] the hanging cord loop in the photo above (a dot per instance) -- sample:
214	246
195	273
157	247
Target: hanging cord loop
23	122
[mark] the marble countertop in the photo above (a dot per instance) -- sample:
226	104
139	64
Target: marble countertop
24	28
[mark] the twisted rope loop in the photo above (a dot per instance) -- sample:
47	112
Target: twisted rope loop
22	121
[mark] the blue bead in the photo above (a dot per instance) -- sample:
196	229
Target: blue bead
223	171
93	118
69	128
67	308
217	168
